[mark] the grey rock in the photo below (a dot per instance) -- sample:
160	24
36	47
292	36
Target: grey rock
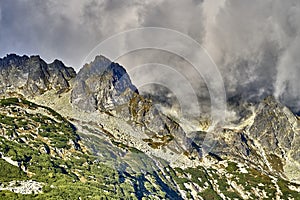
102	85
31	76
274	128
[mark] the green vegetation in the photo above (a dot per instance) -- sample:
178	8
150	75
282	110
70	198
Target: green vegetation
287	193
198	176
10	172
125	147
51	151
40	142
253	179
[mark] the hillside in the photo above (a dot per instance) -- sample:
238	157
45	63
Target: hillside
92	135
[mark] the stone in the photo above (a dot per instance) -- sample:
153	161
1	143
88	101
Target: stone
29	76
102	85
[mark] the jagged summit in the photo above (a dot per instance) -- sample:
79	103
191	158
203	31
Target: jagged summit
275	127
99	85
103	66
12	59
102	85
29	76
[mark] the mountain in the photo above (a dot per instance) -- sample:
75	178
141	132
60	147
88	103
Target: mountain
30	76
92	135
106	87
102	85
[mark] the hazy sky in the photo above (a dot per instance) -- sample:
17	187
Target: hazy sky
255	43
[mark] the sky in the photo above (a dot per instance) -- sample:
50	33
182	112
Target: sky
255	44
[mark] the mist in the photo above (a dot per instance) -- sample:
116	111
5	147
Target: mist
255	44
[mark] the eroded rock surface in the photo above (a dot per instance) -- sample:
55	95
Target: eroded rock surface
102	85
31	76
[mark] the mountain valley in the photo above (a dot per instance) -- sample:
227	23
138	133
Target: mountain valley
92	135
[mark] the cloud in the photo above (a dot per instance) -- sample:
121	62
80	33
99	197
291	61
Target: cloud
287	87
254	43
39	27
184	16
70	29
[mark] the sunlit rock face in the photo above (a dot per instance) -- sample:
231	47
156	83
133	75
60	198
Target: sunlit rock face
32	75
273	127
277	130
102	85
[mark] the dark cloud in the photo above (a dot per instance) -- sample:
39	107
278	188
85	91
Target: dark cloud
38	27
254	43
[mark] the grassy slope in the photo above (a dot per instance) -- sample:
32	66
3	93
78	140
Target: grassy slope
39	138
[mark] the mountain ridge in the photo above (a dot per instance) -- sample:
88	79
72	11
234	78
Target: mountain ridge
32	75
118	125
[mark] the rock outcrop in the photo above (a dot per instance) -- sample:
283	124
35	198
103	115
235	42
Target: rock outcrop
102	85
274	127
31	76
268	138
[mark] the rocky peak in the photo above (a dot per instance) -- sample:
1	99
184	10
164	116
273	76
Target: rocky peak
105	86
273	124
12	59
29	76
102	85
102	66
275	127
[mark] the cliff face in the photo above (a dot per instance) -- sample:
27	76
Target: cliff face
274	126
102	85
276	130
31	76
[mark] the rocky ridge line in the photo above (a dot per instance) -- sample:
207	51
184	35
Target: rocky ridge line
29	76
